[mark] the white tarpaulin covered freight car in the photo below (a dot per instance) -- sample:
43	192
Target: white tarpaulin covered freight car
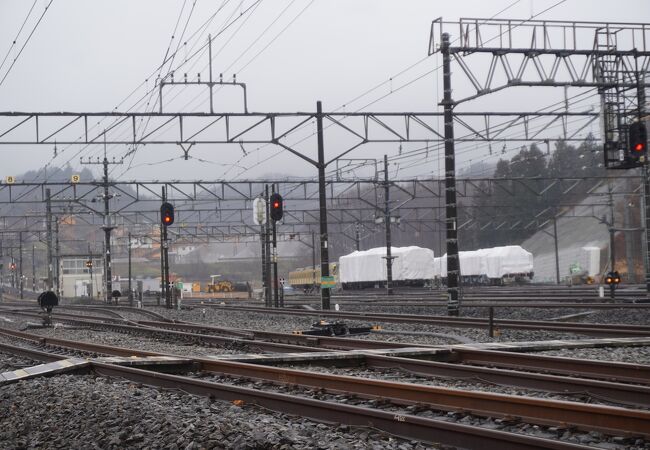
493	263
410	263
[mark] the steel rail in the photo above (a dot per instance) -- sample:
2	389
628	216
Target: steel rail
603	418
326	342
607	370
36	355
629	394
183	336
474	304
595	329
269	340
406	426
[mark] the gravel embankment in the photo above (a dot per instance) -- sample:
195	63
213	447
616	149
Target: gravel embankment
94	413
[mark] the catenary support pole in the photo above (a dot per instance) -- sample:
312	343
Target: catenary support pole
322	200
165	249
557	253
107	236
389	254
453	262
276	300
263	242
267	242
48	219
645	173
20	264
33	268
313	260
57	257
612	244
92	265
357	236
163	242
130	274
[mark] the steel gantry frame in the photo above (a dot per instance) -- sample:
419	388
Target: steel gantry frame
361	128
203	223
536	54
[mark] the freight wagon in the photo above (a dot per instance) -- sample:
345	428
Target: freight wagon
412	266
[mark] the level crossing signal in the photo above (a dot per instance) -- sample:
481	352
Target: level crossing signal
167	214
276	207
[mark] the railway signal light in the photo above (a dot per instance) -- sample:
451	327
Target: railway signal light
276	207
12	266
638	140
89	263
167	214
613	278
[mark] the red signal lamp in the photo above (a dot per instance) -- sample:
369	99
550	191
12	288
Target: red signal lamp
639	147
276	206
167	214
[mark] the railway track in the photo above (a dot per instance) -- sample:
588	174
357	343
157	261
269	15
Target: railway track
597	417
591	329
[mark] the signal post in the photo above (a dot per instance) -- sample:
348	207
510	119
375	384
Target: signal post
276	212
166	219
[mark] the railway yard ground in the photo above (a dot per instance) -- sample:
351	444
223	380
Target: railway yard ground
554	368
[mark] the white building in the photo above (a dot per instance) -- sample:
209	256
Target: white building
76	279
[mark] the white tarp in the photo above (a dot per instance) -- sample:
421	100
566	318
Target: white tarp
492	262
411	263
592	259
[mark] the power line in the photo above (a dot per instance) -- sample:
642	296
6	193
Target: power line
202	27
18	34
26	42
419	77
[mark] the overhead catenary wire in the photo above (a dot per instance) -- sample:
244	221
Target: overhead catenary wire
236	164
390	80
425	58
15	40
29	37
141	99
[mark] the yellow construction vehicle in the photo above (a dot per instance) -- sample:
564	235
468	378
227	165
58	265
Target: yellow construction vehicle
219	285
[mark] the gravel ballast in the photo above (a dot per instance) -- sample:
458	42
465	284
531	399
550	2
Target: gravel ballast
84	412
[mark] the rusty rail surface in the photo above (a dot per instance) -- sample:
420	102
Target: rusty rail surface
549	412
406	426
607	370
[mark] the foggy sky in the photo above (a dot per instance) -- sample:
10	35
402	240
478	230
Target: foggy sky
88	55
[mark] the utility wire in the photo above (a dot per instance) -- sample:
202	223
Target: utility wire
26	42
419	77
141	99
18	34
